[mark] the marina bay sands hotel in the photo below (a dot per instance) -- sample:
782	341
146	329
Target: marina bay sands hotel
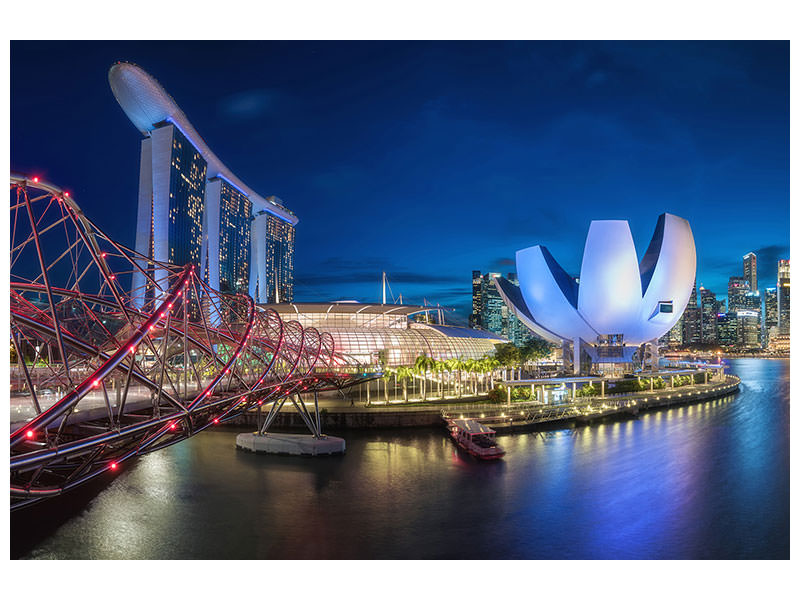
193	209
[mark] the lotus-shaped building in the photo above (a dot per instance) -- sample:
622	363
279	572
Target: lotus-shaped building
618	305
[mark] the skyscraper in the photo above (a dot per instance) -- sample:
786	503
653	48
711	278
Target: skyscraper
490	311
172	186
692	332
226	239
475	317
708	316
749	270
737	288
727	330
770	312
783	296
277	268
193	209
748	329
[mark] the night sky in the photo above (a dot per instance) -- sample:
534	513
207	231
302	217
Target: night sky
429	160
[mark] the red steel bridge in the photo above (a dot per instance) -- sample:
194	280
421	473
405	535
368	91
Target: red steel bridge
102	373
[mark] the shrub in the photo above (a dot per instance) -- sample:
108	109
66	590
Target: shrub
498	394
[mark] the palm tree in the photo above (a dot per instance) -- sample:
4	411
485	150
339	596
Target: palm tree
387	375
451	364
422	365
403	375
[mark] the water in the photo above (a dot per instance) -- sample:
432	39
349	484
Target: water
709	480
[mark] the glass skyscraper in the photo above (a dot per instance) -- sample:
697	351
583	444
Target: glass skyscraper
490	312
749	271
783	296
708	316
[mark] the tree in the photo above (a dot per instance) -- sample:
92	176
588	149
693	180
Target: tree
535	349
403	375
422	365
387	375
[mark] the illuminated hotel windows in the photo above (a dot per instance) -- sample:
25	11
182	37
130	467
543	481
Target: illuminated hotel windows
280	259
234	240
187	185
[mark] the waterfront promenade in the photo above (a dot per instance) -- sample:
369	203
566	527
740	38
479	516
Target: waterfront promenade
340	414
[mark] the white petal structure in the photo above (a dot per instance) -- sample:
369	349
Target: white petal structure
617	295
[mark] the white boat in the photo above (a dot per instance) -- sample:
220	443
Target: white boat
475	438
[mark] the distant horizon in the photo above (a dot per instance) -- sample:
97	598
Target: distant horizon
429	160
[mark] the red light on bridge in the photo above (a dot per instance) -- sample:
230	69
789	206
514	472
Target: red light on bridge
259	402
66	194
172	426
113	466
103	255
132	349
112	277
216	421
95	383
35	180
29	434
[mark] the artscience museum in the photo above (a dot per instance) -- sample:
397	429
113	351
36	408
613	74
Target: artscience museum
609	319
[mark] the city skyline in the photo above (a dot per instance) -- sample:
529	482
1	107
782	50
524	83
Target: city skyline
402	186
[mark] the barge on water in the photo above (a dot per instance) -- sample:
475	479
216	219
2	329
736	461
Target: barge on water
475	438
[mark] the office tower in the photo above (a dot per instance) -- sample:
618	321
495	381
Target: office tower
515	330
737	288
492	306
674	337
708	316
770	313
748	329
691	319
727	330
749	271
477	286
783	296
226	238
492	312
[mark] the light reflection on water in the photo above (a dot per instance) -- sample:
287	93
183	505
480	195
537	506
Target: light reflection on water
709	480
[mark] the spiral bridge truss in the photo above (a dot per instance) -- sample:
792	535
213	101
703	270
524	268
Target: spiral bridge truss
101	373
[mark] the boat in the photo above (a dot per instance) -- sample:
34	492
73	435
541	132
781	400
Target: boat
475	438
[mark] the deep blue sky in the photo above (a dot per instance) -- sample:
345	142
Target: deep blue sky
428	160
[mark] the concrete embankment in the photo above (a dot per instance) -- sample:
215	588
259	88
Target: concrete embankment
494	414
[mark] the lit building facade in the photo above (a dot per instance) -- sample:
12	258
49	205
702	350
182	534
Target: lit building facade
193	209
692	319
375	333
737	288
226	238
749	271
770	313
783	297
708	316
727	330
477	299
492	312
278	263
749	329
614	314
172	185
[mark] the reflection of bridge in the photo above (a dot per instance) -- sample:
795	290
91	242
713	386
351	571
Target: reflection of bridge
97	380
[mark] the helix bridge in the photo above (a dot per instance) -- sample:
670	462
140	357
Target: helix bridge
102	373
